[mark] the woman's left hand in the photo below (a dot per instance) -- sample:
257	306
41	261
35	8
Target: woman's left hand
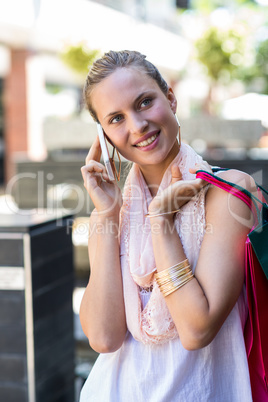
179	192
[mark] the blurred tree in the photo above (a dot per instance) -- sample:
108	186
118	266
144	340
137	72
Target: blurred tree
221	53
255	76
79	57
207	6
262	63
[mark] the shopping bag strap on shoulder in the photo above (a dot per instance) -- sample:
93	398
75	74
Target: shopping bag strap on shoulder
261	214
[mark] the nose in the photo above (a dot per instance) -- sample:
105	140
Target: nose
137	124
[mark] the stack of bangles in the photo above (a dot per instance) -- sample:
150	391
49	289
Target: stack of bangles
174	277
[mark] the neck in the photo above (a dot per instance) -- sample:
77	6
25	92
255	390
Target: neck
153	177
153	174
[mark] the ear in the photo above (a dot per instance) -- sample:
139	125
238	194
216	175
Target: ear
172	100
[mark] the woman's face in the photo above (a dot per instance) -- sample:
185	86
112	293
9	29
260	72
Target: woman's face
137	116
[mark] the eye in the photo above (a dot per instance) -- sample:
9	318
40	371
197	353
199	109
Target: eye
116	119
146	102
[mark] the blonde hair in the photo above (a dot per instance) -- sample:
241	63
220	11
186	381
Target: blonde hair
112	60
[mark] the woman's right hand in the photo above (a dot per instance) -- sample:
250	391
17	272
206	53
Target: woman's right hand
105	194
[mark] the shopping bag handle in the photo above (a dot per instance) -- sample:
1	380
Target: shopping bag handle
234	189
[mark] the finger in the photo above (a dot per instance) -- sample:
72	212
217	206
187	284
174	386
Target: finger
94	152
92	183
193	170
175	173
200	166
94	167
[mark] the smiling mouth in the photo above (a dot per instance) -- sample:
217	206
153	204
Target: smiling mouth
148	141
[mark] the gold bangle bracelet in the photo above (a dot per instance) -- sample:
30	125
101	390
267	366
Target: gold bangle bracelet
171	279
162	213
175	282
174	276
173	288
178	266
177	288
170	272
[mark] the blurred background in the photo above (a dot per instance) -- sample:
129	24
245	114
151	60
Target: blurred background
214	53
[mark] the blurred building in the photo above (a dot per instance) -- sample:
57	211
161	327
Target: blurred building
34	32
158	12
37	119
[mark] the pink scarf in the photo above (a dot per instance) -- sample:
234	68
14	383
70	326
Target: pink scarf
154	323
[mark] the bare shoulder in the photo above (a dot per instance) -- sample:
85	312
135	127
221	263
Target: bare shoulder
240	178
221	206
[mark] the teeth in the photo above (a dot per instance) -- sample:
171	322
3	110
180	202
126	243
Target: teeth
147	142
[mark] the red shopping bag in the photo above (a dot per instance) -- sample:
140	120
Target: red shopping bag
256	272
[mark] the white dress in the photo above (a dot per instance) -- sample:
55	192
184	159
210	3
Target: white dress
167	372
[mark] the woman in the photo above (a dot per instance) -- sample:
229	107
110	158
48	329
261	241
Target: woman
165	304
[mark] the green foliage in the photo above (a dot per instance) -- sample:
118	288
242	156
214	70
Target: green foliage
53	88
221	52
258	71
262	61
79	57
207	6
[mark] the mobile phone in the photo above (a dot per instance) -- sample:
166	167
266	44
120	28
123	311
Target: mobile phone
105	153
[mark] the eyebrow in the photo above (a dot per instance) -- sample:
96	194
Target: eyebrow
135	101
